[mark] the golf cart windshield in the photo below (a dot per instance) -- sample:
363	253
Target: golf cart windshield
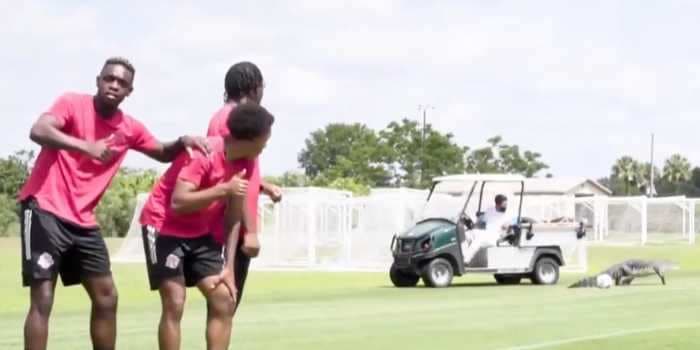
450	199
447	199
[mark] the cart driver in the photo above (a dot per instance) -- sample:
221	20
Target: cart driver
497	222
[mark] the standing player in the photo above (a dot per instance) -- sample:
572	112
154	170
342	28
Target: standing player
244	84
184	227
84	139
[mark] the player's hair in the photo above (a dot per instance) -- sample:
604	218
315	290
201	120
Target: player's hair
241	79
122	62
249	121
500	199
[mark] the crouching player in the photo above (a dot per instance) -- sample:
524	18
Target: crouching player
179	218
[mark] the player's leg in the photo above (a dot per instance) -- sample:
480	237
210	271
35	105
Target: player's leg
172	297
91	267
240	268
43	242
474	246
36	324
103	315
203	269
164	259
220	310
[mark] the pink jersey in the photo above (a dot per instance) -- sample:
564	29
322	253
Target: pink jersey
204	172
218	127
69	184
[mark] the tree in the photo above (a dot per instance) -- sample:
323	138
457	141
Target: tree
626	169
415	161
403	140
289	179
346	184
345	151
8	213
14	171
498	157
116	207
643	176
677	170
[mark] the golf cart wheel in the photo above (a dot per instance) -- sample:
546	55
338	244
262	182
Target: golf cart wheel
507	279
402	279
437	273
546	271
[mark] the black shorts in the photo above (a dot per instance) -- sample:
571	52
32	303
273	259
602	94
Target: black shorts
170	257
51	246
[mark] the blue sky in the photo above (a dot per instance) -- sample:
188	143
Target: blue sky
581	82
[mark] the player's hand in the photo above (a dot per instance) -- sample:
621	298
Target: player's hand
228	279
273	191
195	142
237	185
251	245
100	149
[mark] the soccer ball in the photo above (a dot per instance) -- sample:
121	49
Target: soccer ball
604	281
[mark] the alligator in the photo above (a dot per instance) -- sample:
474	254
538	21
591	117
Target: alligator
625	272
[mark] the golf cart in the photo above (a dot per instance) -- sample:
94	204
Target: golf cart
432	250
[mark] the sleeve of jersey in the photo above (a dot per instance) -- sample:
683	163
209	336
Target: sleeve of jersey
62	110
195	170
142	139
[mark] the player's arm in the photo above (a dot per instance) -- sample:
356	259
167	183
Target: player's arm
167	151
233	219
271	190
49	131
46	131
188	198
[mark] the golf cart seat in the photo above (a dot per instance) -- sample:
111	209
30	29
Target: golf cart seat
553	227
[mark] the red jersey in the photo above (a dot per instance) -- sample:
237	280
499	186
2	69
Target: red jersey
204	171
69	184
218	127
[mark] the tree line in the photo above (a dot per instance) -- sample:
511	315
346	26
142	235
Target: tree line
356	158
631	177
403	154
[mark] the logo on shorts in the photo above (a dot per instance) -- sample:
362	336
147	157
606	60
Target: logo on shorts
45	261
172	261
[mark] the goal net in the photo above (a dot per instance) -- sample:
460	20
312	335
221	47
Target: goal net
321	229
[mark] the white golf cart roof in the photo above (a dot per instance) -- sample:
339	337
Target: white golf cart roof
481	177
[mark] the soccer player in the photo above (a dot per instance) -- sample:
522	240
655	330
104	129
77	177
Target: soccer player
84	139
244	83
184	227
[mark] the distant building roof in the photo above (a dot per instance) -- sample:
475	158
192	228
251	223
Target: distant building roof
563	185
481	177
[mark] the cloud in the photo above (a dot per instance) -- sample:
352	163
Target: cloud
383	7
304	87
541	76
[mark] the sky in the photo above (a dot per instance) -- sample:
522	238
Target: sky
581	82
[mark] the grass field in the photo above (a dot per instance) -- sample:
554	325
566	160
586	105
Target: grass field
363	311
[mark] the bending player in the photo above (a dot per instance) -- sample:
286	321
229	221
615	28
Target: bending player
183	226
244	83
84	139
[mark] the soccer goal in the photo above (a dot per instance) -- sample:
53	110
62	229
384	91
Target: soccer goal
131	249
329	230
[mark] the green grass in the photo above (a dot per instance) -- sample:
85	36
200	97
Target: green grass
363	311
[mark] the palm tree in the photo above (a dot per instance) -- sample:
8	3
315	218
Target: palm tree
627	170
677	170
643	175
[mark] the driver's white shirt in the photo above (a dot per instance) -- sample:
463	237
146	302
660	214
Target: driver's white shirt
495	220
